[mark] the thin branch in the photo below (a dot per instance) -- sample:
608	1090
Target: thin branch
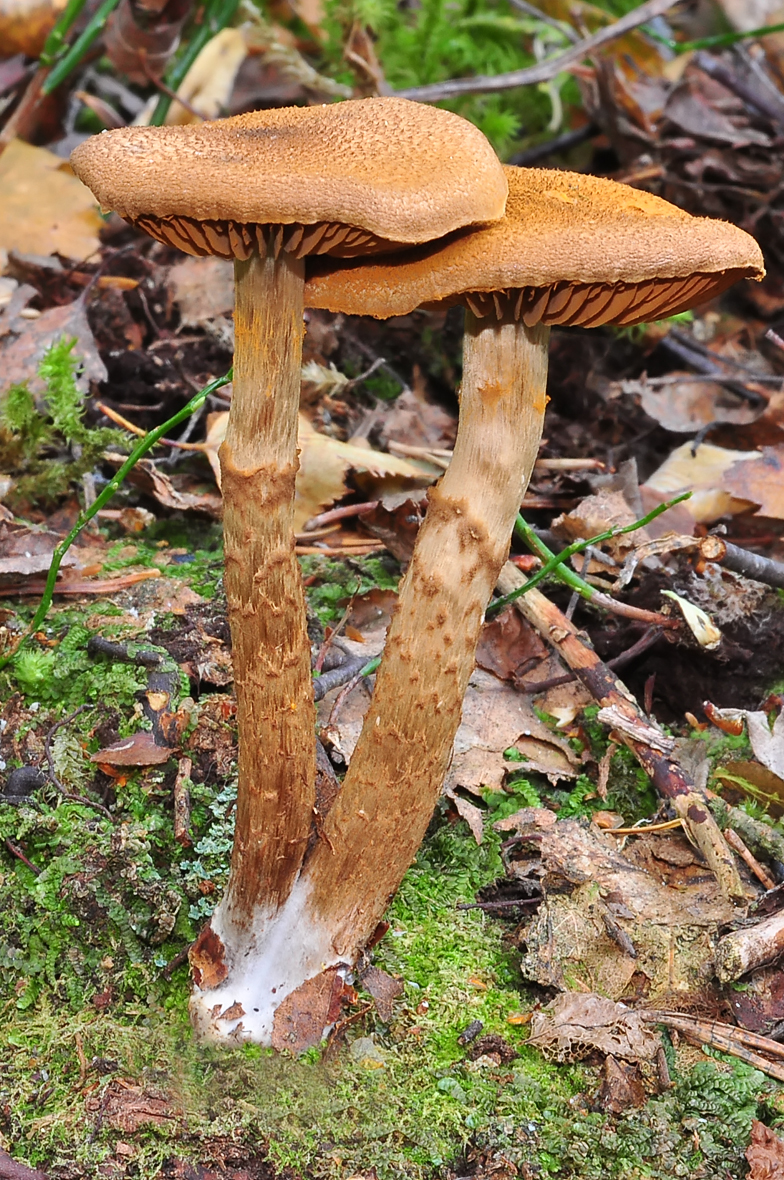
559	25
545	70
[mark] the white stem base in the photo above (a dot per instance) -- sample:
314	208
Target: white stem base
273	957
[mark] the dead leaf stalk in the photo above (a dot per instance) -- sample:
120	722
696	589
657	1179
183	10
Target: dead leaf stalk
653	748
727	1038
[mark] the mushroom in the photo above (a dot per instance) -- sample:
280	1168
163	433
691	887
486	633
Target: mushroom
267	189
572	249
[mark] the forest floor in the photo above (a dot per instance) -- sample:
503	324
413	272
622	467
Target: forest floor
453	1055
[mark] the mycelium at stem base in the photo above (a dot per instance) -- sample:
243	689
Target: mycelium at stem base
371	835
270	647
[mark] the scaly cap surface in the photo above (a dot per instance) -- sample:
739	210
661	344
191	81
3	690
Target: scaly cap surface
571	249
401	170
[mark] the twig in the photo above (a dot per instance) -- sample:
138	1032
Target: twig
543	71
742	561
182	803
53	773
498	905
337	676
761	873
334	514
652	748
746	949
366	670
17	852
737	1042
138	452
177	961
11	1169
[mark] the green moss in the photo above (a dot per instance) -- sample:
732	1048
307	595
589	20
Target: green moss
47	451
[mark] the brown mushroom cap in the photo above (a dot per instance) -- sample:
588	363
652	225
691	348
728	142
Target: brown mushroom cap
572	249
393	170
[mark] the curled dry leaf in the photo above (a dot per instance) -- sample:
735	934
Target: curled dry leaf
573	1026
324	464
23	347
41	201
705	475
765	1153
597	514
761	481
140	749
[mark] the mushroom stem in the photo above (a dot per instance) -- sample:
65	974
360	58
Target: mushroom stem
396	773
270	648
372	832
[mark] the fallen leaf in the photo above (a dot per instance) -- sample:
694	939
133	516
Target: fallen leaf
324	464
384	989
608	917
25	26
760	481
686	406
765	1153
23	346
25	551
621	1089
202	289
509	646
42	202
140	749
416	421
704	474
574	1025
208	84
688	111
172	492
301	1019
472	815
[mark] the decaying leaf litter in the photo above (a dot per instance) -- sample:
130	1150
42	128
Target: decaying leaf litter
118	735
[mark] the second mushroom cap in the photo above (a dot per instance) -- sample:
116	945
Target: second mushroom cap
571	249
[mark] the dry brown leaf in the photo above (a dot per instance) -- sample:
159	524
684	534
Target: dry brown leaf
203	289
686	406
23	347
607	917
765	1153
140	749
301	1019
417	422
43	207
384	989
469	812
572	1026
25	551
509	647
208	84
704	474
324	463
760	481
608	509
171	492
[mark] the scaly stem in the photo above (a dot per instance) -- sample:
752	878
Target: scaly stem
270	648
397	770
